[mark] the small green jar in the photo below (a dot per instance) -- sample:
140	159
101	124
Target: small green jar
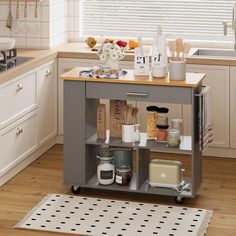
173	139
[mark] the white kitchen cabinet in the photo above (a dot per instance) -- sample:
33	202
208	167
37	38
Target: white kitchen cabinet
17	98
17	141
47	104
233	106
218	78
28	118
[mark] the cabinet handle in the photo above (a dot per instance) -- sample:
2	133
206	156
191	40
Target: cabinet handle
19	130
19	87
48	72
137	94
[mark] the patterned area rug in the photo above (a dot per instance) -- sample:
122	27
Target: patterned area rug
96	216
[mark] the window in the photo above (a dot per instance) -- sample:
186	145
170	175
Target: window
191	19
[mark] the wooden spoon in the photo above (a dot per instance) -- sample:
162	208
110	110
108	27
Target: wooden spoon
179	48
134	115
172	48
186	50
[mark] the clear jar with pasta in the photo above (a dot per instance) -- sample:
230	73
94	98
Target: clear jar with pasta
151	124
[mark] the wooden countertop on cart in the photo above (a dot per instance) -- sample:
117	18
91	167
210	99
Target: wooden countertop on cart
192	79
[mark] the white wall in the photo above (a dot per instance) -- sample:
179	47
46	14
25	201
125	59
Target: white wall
48	30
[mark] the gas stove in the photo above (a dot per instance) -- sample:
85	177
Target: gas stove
9	59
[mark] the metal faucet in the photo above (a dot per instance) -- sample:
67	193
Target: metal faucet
233	24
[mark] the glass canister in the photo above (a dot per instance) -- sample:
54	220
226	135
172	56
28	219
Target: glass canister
105	167
151	121
123	175
162	118
162	133
105	170
173	139
178	124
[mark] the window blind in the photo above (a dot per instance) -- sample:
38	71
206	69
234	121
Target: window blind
191	19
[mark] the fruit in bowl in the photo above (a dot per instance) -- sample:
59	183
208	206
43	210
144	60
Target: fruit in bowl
133	44
121	43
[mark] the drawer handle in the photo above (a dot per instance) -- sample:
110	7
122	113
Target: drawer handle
19	130
137	94
48	72
19	87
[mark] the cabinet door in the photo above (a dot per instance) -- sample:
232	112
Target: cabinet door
233	106
47	113
17	142
217	77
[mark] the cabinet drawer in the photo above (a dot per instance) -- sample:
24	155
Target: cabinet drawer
146	93
17	141
17	98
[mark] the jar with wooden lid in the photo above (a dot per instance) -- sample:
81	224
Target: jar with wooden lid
151	121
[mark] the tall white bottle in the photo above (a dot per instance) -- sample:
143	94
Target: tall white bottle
159	56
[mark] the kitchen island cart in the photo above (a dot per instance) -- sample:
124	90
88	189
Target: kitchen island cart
81	98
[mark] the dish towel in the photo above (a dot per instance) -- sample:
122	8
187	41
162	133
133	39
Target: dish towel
205	119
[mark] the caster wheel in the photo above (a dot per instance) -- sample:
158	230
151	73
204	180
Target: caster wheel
75	189
179	199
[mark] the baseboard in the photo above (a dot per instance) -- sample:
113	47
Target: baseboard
220	152
60	139
15	170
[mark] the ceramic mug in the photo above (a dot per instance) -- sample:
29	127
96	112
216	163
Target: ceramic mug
177	70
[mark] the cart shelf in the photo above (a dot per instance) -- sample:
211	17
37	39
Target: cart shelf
185	147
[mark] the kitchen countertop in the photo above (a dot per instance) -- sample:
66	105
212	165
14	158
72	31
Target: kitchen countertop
192	79
80	50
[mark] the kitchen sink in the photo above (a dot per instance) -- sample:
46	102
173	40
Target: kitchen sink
214	53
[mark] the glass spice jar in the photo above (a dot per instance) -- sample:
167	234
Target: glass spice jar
173	139
123	175
162	133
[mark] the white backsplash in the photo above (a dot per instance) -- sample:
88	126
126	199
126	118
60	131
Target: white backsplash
48	30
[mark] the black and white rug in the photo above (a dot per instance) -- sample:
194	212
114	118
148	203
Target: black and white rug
96	216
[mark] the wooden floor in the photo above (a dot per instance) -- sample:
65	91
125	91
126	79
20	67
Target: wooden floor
44	176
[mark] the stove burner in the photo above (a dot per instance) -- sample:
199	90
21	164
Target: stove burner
8	59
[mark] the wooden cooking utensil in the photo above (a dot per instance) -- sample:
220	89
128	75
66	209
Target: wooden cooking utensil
179	48
129	115
172	48
186	50
134	115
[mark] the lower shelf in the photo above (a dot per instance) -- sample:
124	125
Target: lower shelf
93	183
132	187
146	188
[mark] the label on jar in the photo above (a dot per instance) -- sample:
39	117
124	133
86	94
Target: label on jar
108	174
118	179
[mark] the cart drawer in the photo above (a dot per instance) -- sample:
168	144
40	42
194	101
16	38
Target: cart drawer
139	92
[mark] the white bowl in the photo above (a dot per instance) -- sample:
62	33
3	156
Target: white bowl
6	43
